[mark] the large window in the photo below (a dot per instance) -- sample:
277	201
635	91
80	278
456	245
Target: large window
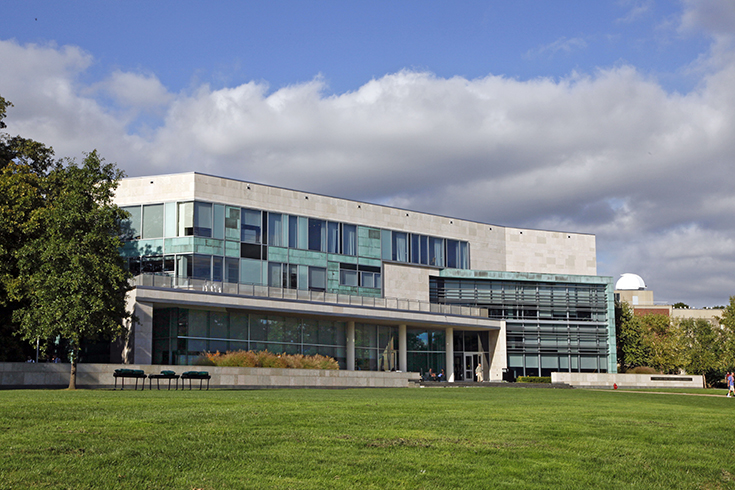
333	237
275	275
348	277
232	223
277	230
419	249
436	251
153	221
317	235
251	225
186	219
293	232
232	270
202	219
349	239
132	226
400	246
317	278
180	335
376	347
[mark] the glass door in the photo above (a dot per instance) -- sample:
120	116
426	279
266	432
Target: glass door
470	364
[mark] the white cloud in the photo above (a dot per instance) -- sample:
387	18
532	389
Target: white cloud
637	10
560	45
611	153
136	90
715	17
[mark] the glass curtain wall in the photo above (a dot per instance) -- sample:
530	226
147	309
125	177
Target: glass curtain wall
550	326
426	349
180	335
376	347
209	241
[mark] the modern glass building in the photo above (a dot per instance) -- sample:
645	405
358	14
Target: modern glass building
226	265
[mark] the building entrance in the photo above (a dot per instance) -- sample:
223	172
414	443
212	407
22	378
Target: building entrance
465	364
470	364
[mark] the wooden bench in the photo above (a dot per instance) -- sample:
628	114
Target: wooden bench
129	373
169	375
200	375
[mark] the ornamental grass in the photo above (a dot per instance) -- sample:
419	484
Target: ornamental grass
267	359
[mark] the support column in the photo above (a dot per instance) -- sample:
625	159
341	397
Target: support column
350	347
143	334
449	347
402	356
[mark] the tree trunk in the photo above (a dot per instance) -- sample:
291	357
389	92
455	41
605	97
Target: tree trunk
73	375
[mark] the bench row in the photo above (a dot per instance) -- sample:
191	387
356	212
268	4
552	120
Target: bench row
169	375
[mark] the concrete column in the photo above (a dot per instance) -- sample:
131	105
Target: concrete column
350	347
449	346
143	334
402	343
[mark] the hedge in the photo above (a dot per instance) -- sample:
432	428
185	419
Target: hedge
534	379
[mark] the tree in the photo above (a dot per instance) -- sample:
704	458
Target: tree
632	352
663	341
703	348
24	164
64	275
727	324
681	306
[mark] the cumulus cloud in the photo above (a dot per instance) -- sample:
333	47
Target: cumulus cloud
136	90
715	17
610	153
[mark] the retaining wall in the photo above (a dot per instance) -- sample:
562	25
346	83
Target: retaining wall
14	375
607	380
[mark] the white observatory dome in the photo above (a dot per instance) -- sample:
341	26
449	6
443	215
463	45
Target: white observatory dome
630	282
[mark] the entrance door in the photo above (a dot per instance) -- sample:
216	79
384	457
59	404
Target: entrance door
458	367
470	364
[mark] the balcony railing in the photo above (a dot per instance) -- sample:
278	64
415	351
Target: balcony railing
253	291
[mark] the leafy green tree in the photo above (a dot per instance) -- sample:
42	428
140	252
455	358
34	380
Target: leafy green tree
61	273
24	164
727	324
632	351
703	348
73	273
681	305
664	343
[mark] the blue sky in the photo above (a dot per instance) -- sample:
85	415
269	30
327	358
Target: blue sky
607	117
227	43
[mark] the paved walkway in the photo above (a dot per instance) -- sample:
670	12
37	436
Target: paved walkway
491	384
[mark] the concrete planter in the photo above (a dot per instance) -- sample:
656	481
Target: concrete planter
15	375
607	380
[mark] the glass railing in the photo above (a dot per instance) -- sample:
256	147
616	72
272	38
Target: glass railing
251	290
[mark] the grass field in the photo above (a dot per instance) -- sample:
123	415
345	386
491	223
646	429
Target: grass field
393	438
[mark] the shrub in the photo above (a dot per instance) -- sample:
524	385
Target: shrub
642	370
203	360
266	359
534	379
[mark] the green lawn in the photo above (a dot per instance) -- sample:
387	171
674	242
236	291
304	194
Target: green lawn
374	438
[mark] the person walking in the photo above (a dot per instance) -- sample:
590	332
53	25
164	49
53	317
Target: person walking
730	384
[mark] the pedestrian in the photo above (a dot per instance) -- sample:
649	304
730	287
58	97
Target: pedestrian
730	384
478	372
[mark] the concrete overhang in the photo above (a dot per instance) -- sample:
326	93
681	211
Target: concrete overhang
165	297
